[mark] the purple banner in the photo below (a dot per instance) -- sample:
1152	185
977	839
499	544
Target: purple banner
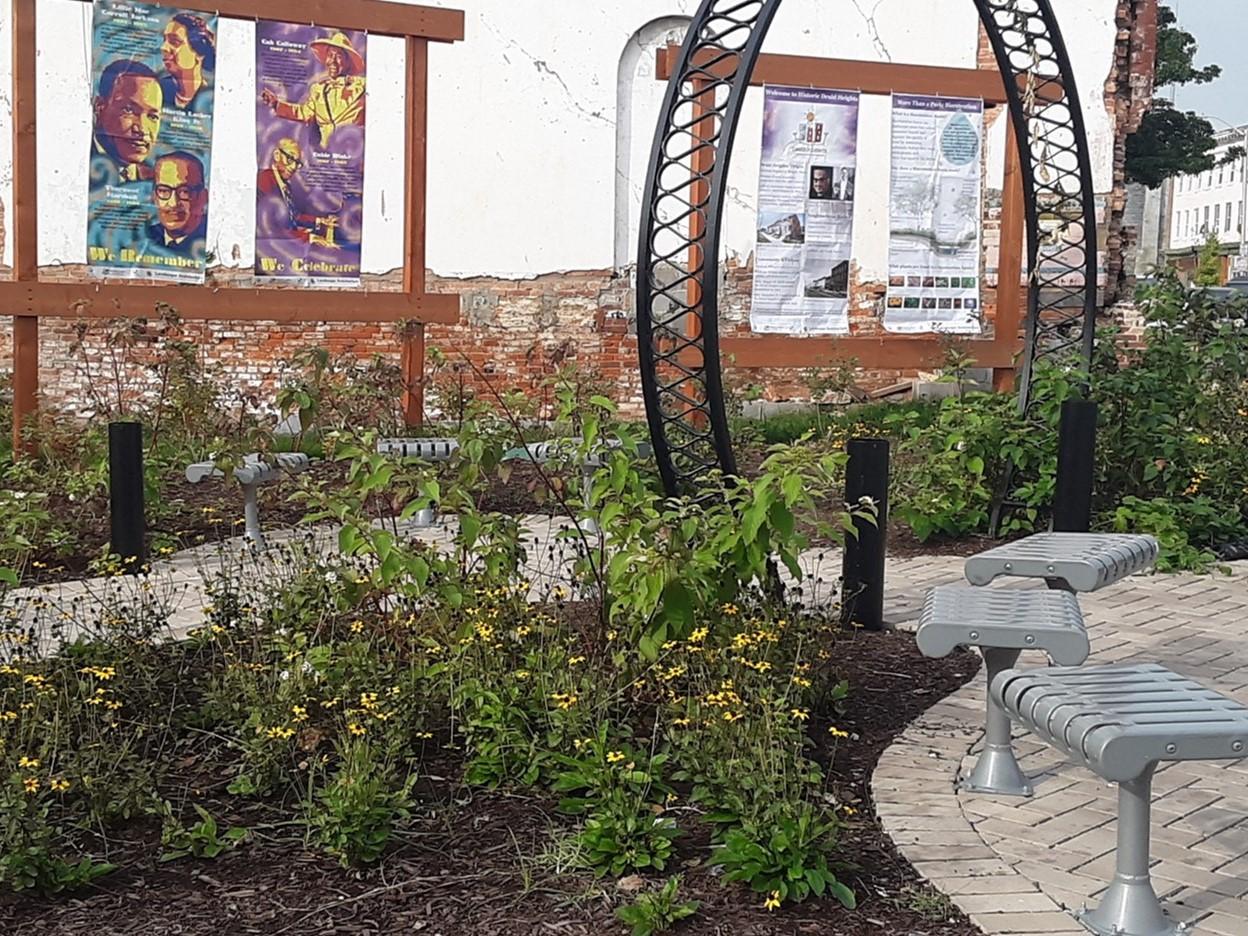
310	94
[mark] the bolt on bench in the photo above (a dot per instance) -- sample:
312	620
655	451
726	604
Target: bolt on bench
1119	722
253	472
1004	622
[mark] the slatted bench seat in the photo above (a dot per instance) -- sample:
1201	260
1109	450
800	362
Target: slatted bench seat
1002	623
255	470
1119	722
430	450
1080	562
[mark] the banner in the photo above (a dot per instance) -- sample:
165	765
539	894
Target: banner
935	212
310	151
805	228
151	143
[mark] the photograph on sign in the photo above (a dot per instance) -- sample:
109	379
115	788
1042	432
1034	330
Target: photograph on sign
805	226
151	144
935	214
310	97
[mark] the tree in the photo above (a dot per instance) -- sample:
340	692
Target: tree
1171	142
1209	263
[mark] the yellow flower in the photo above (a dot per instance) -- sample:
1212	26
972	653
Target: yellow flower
299	712
836	732
733	716
680	722
29	763
424	735
772	902
59	785
31	784
614	757
357	729
99	672
521	674
801	681
699	635
279	733
849	810
357	627
7	670
730	609
799	714
564	700
8	716
576	660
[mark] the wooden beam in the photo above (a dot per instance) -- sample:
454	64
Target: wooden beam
382	17
25	222
88	300
1010	255
848	74
883	353
412	356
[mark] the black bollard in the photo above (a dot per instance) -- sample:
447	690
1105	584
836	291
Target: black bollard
128	529
862	588
1076	465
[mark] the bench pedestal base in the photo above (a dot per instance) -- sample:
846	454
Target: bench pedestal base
1130	906
997	770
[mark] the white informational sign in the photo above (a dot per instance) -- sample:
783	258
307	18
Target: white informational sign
935	215
805	211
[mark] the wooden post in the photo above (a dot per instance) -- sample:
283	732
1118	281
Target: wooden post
1010	259
701	162
25	218
413	350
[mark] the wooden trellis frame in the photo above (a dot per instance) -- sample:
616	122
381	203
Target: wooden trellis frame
892	352
27	299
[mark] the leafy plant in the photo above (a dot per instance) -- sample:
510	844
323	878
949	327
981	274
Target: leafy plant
785	857
353	817
200	840
657	911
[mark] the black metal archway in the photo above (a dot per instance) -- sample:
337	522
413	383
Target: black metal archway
678	297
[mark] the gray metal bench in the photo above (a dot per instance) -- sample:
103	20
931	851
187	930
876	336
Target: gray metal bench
543	452
254	471
1007	621
1002	623
1119	722
1080	562
430	450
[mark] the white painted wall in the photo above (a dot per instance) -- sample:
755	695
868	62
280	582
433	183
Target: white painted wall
525	155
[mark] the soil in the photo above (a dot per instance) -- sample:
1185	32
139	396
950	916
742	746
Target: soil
467	867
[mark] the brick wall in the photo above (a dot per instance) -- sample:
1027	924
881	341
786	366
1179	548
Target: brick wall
518	331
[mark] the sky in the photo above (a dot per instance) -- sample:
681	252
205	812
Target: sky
1221	29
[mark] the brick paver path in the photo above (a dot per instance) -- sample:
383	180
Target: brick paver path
1016	865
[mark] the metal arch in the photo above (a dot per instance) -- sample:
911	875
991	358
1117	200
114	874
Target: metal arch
678	267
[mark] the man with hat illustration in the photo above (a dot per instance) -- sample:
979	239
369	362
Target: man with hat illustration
334	101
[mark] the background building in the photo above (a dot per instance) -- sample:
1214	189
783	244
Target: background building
1208	204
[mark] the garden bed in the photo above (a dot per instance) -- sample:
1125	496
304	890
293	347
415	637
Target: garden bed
472	862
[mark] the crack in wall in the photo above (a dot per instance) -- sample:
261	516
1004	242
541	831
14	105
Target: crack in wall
873	29
543	68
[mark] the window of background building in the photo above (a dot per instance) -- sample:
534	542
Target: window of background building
1221	174
1228	215
1206	225
1217	218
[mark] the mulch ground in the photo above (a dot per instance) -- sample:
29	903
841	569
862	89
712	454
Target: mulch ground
467	867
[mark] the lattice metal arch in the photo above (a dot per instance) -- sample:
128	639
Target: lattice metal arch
678	260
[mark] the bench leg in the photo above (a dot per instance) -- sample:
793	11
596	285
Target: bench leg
1130	906
997	771
251	515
